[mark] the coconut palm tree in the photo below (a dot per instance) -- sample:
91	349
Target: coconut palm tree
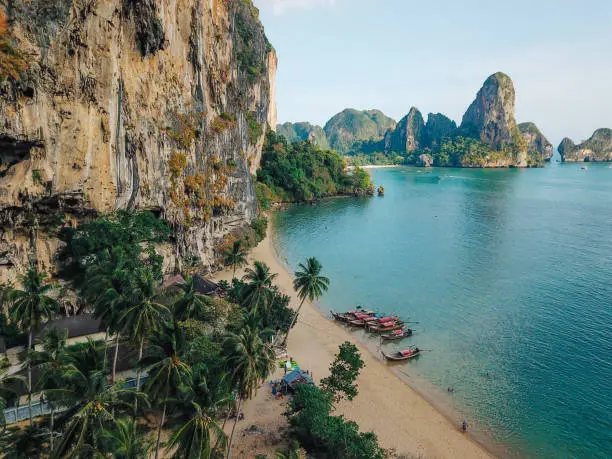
107	285
30	308
250	361
257	292
189	303
91	401
168	373
236	256
125	441
309	285
194	439
143	315
50	361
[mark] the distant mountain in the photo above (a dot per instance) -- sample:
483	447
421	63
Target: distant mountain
408	135
350	126
537	144
488	136
298	132
597	148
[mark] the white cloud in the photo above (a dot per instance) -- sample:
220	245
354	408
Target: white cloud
279	7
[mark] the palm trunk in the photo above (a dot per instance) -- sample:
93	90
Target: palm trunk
163	419
234	274
138	376
115	357
229	447
297	313
30	376
51	429
106	347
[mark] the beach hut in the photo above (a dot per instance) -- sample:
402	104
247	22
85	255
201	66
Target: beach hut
293	379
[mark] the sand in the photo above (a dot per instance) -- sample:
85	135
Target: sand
403	420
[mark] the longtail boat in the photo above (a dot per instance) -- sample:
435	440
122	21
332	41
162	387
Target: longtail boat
387	326
353	314
398	334
361	321
403	355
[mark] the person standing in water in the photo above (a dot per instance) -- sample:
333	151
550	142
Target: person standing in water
464	426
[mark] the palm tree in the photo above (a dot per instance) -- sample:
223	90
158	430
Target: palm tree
143	316
194	438
167	372
51	360
309	285
124	441
91	402
236	256
250	362
189	303
258	290
107	285
31	307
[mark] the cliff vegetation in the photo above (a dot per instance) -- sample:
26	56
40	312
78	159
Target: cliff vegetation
300	171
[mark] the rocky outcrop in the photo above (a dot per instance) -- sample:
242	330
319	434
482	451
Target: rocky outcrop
408	135
538	146
438	126
349	126
597	148
132	104
424	160
301	131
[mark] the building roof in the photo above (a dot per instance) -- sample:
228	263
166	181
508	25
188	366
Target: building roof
297	377
205	286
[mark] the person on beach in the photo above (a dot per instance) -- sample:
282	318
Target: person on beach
464	426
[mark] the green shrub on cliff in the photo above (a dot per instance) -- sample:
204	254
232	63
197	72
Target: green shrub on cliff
302	172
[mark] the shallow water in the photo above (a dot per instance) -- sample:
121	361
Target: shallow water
509	274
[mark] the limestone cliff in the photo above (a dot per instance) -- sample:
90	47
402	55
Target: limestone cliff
132	104
597	148
350	126
438	126
408	135
537	145
298	132
490	118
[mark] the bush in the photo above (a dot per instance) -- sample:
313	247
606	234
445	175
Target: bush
260	227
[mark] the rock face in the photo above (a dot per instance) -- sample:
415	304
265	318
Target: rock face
437	127
408	135
132	104
350	126
597	148
490	118
298	132
537	144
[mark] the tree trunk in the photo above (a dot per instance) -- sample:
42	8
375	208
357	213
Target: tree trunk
234	274
297	313
115	357
106	347
30	337
51	429
229	447
163	419
138	377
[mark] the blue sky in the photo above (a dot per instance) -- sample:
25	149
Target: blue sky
435	55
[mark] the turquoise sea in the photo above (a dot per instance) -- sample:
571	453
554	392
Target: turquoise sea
509	273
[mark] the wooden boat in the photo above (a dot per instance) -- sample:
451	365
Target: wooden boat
384	327
406	354
361	321
342	316
397	334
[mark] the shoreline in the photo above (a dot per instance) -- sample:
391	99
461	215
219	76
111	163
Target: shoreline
384	397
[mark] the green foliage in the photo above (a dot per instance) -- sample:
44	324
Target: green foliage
250	44
302	172
343	373
260	226
36	177
328	436
255	128
130	232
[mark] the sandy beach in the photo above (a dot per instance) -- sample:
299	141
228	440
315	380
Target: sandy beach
403	420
